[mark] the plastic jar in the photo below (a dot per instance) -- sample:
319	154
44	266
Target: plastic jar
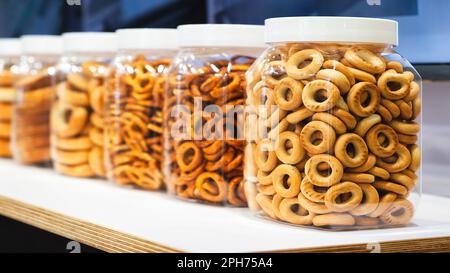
78	109
203	139
338	113
10	50
134	106
35	89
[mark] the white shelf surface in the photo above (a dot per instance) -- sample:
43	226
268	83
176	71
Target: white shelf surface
194	227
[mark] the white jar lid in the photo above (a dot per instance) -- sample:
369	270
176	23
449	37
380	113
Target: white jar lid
147	38
10	47
41	44
90	42
331	29
221	35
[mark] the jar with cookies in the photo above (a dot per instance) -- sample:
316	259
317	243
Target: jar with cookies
134	104
204	112
78	108
30	137
10	51
334	120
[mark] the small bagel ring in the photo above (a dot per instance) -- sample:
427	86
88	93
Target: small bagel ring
369	164
359	178
401	163
401	83
391	187
380	149
215	192
313	207
415	158
369	203
327	141
266	158
310	91
335	173
407	128
334	220
354	99
299	217
294	61
338	190
365	124
365	60
400	213
265	202
336	77
336	65
385	202
294	100
293	181
331	120
360	150
311	192
182	156
295	154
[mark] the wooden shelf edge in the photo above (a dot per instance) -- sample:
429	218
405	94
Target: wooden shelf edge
117	242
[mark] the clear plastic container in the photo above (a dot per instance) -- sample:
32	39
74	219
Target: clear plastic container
334	116
134	105
78	109
35	90
10	50
203	138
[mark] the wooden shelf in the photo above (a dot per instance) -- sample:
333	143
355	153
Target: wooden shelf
116	219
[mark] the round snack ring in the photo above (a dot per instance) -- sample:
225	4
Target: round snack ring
266	158
288	94
361	178
83	170
366	124
266	189
391	187
298	216
264	178
96	161
70	121
312	192
333	220
67	96
294	61
393	86
399	213
362	76
355	103
331	120
398	67
414	90
327	133
415	157
403	180
338	66
385	202
72	144
289	188
235	193
401	161
349	120
188	156
406	110
360	150
276	201
211	187
265	202
312	207
72	157
407	128
389	145
337	191
310	95
392	107
369	164
334	174
295	154
365	60
369	203
299	115
379	172
337	78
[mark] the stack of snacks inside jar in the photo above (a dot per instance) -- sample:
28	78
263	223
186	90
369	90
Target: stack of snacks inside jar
78	109
205	95
35	90
10	50
336	142
134	104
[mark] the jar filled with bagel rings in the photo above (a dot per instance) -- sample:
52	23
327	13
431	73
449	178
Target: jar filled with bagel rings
34	95
78	108
334	125
10	50
203	112
134	104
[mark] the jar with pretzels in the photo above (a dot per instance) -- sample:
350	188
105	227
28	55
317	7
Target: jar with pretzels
78	109
134	103
334	125
203	112
10	50
35	90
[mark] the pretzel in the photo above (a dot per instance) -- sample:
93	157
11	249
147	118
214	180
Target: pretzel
357	130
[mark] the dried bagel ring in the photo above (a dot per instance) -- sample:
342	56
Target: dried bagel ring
359	178
416	108
290	187
266	189
365	60
406	110
385	202
414	90
337	78
360	152
334	174
401	161
69	121
327	133
334	220
294	62
366	221
265	202
276	201
391	187
295	154
362	76
354	99
349	120
365	124
336	65
392	107
264	177
407	139
403	180
299	115
318	208
211	187
332	120
331	93
96	161
288	94
235	193
292	212
337	191
399	213
83	171
266	158
380	172
188	156
72	144
393	86
388	147
398	67
72	157
407	128
415	158
312	192
369	203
